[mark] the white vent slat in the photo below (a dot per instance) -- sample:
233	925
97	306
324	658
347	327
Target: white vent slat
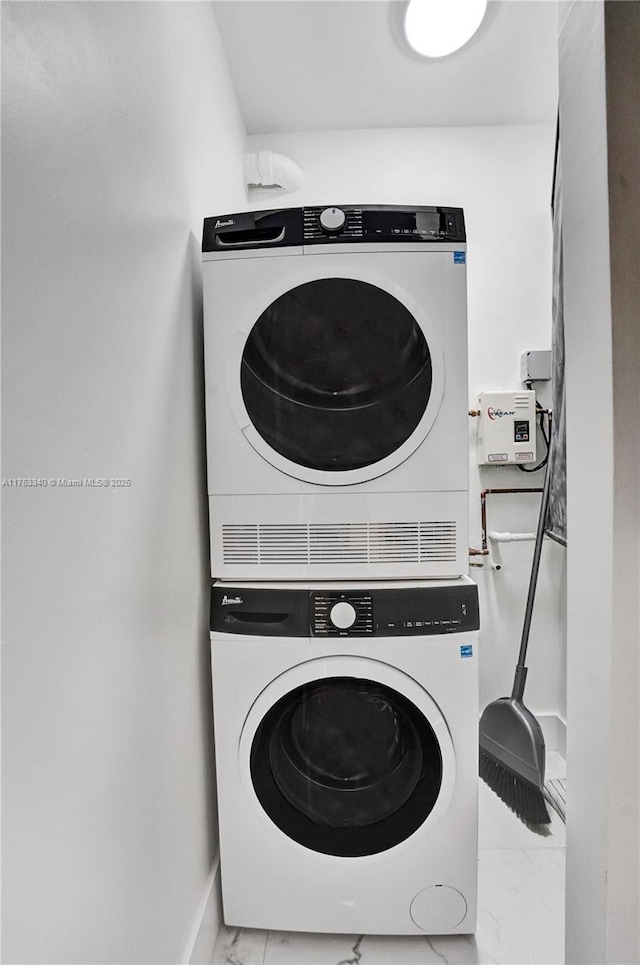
335	543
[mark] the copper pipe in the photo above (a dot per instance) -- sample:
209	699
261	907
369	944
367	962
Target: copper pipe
483	514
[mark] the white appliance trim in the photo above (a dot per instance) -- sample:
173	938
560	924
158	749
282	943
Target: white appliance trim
364	247
357	521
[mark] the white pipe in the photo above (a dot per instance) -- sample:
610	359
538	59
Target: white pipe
511	537
266	169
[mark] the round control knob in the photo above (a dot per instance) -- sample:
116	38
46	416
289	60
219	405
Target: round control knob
343	615
332	219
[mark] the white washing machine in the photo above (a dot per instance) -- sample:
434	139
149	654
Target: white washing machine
336	393
346	741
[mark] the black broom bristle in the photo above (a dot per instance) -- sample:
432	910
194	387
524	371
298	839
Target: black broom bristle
521	796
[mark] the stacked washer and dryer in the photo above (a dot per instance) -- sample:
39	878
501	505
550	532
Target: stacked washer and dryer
343	626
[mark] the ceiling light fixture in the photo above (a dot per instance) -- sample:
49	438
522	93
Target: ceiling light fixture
435	28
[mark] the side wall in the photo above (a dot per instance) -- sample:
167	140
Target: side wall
622	41
502	179
599	90
120	132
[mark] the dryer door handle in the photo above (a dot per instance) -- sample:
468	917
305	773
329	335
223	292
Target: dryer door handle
243	238
246	616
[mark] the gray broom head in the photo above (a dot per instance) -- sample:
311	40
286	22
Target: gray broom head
512	758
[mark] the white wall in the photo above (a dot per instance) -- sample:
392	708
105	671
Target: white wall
502	179
599	89
120	132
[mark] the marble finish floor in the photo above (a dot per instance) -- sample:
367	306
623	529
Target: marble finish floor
520	917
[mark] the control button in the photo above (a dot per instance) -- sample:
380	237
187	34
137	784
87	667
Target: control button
343	615
332	219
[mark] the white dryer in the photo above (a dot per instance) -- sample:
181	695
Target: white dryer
336	393
346	743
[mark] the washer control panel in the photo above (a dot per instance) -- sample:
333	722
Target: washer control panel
341	614
332	219
347	611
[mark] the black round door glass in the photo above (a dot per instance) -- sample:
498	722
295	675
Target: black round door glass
336	374
346	766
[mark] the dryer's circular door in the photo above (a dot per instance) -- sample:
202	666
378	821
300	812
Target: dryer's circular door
336	378
350	765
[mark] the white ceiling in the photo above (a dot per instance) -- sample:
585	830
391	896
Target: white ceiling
301	65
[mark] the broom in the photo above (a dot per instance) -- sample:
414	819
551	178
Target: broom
511	740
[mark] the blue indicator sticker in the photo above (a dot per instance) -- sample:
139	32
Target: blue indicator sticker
459	257
466	651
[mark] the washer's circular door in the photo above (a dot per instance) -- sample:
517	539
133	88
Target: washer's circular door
338	380
348	764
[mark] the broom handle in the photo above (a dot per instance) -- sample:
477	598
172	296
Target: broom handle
521	671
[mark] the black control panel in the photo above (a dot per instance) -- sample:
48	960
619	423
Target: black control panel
333	224
521	430
341	614
405	611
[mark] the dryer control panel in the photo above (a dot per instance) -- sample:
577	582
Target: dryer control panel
345	612
334	224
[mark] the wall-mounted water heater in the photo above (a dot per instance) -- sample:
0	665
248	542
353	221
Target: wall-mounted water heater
506	428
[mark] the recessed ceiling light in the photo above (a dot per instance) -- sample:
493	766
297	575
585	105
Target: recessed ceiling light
435	28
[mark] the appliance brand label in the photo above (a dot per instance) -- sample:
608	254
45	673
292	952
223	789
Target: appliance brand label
459	257
227	600
466	651
224	224
497	413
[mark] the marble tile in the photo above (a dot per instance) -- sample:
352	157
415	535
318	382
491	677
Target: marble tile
433	950
521	906
239	946
499	827
296	948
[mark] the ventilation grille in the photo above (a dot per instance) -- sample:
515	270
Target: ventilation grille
333	543
521	401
